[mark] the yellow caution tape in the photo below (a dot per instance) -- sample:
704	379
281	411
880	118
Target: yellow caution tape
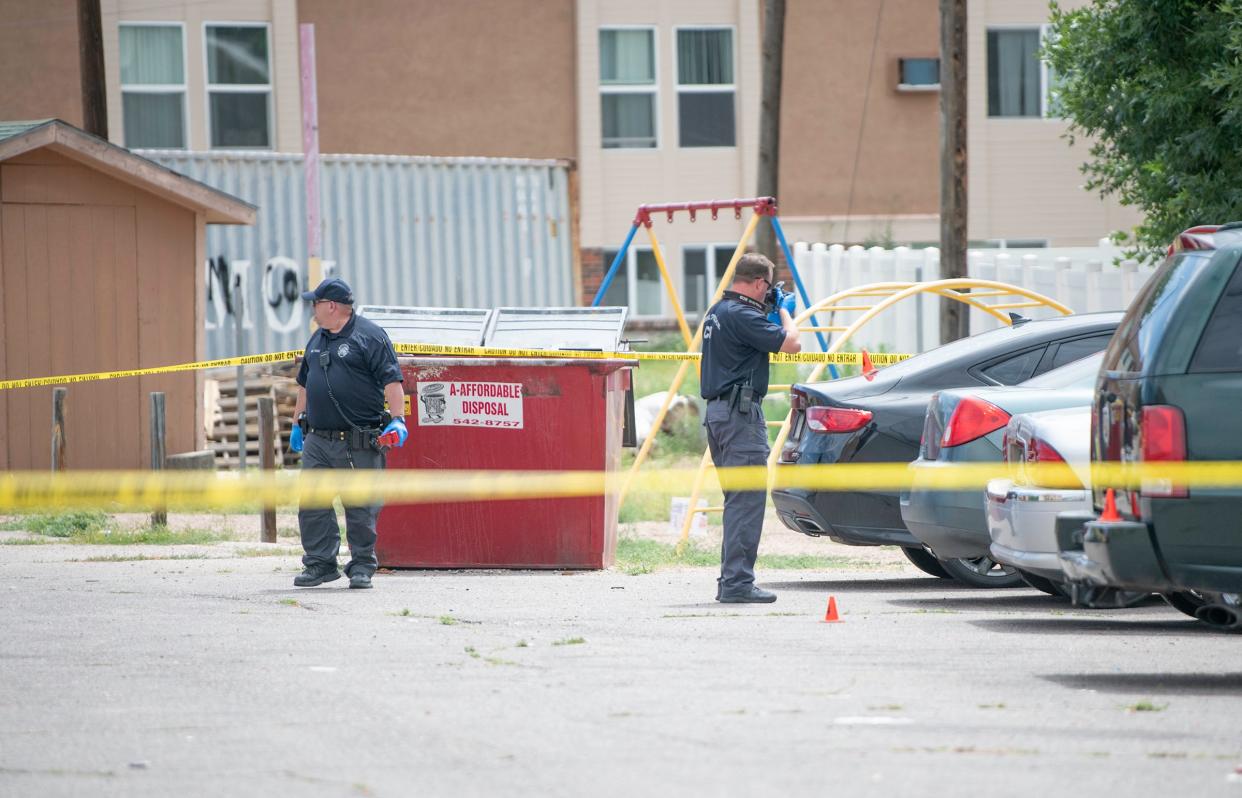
839	358
190	490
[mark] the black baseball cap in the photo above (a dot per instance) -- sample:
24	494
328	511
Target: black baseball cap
333	289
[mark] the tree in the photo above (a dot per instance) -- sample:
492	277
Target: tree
1157	86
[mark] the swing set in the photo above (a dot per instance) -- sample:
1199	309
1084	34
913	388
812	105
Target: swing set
867	300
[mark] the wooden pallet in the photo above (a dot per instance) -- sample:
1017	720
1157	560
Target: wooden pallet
222	412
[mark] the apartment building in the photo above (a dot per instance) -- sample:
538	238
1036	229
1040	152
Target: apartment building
654	101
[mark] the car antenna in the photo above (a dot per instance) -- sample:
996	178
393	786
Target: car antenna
1017	319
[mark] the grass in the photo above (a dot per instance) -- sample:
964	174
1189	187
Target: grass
641	556
448	620
60	525
142	557
570	641
156	535
93	527
1147	705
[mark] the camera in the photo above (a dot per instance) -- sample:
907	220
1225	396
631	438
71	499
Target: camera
770	298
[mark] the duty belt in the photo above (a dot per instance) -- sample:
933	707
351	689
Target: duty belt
357	439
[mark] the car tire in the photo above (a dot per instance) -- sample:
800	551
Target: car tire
1187	602
983	572
1045	585
925	562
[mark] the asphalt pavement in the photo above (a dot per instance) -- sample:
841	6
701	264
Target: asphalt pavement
212	675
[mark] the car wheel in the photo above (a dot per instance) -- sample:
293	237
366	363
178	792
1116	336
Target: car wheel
1107	598
925	562
1186	601
982	572
1057	589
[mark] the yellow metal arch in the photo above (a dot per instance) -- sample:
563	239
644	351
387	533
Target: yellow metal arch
961	289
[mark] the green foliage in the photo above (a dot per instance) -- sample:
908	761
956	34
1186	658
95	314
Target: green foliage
61	525
1157	86
637	556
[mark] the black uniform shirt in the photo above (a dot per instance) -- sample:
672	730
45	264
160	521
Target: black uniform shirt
737	338
361	361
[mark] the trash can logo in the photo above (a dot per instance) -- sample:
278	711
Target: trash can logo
434	402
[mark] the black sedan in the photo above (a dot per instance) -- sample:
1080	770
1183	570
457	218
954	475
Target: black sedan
878	418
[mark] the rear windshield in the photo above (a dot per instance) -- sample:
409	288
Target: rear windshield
1079	374
947	352
1149	315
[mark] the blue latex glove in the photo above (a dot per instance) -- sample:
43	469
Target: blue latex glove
295	439
397	425
784	300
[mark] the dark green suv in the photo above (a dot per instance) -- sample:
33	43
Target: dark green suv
1170	389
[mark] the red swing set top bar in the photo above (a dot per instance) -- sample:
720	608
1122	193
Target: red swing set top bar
764	206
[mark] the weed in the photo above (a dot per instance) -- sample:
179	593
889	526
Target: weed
60	525
1147	705
448	620
991	706
257	552
637	556
290	602
886	708
26	542
569	641
498	661
472	652
140	557
522	644
155	535
405	612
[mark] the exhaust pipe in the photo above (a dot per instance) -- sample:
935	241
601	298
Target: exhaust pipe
1221	616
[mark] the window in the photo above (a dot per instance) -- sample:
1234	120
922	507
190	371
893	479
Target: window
1220	346
1077	349
1019	82
239	86
636	284
153	85
698	284
1013	370
627	85
918	74
705	87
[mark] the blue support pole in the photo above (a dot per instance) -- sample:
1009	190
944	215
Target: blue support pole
612	270
793	269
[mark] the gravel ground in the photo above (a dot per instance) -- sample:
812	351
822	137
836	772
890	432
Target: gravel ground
210	674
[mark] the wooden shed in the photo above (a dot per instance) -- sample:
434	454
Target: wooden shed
101	268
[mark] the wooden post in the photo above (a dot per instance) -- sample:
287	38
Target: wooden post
91	65
267	461
240	340
58	428
159	515
770	120
954	322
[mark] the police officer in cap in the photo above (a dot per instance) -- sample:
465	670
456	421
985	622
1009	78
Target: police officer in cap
349	371
750	321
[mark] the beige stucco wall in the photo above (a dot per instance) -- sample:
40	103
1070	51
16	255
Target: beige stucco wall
1024	176
616	181
281	16
426	77
859	159
39	48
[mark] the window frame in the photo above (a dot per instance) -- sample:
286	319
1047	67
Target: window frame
162	88
705	88
631	283
1044	84
210	88
710	252
653	89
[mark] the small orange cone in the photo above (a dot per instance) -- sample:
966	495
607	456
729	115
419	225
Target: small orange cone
831	616
868	368
1110	507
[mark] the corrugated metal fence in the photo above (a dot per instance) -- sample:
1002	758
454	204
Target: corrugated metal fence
443	232
1086	279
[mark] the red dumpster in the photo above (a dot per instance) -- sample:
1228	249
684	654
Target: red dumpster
502	415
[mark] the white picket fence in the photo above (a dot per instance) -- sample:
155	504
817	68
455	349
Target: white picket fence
1086	279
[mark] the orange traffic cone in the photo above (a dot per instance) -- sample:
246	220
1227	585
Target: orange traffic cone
868	368
1110	507
831	616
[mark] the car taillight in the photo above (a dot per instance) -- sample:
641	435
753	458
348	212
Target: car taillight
1052	469
1163	436
836	419
972	419
1194	238
797	399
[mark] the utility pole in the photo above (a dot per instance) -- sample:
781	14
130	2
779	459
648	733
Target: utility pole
91	65
954	323
770	117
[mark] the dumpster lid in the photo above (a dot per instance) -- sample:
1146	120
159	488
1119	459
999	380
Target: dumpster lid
443	326
598	329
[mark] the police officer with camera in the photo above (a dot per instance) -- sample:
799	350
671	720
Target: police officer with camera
348	372
751	320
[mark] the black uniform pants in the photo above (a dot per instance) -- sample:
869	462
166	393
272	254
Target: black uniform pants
738	439
321	536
